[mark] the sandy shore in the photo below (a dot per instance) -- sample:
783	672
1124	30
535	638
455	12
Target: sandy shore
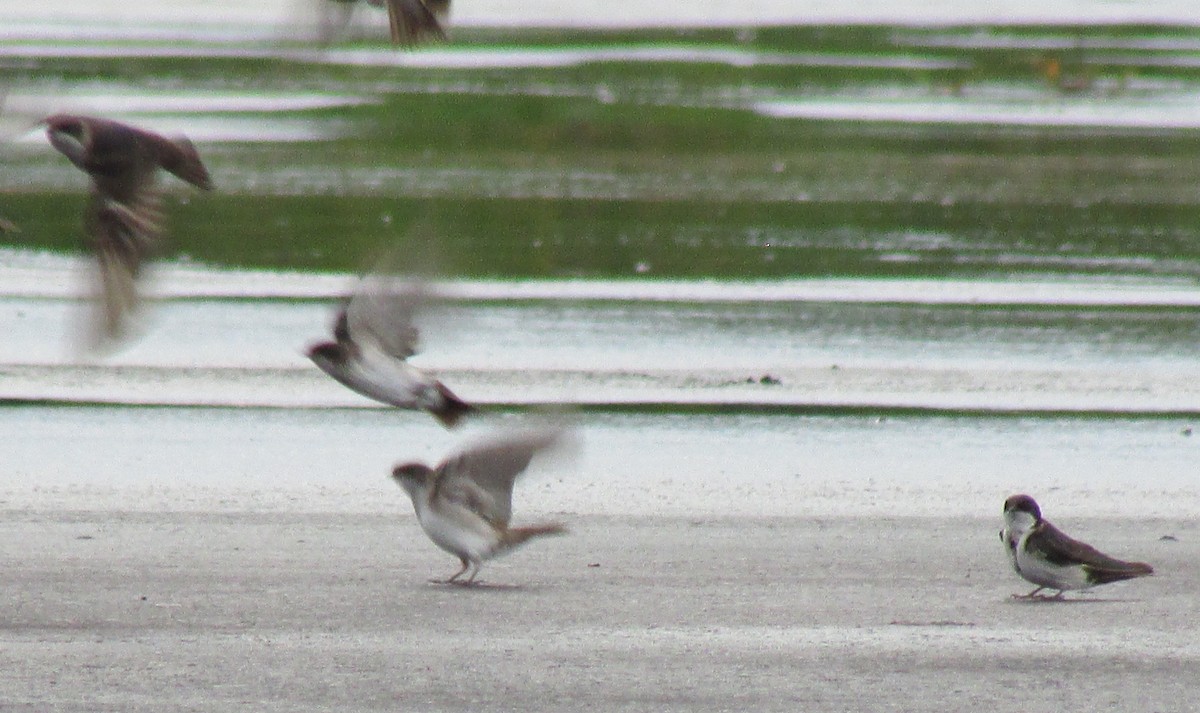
109	611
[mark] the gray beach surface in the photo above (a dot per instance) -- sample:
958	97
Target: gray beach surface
196	611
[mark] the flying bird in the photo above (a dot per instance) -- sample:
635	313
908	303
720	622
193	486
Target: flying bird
410	21
464	504
1044	555
374	335
123	218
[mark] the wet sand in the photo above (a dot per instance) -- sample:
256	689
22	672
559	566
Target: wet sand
157	611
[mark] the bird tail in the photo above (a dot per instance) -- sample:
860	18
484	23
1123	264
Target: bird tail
1127	570
451	409
517	536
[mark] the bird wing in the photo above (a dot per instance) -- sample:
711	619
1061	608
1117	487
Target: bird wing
1057	548
122	236
381	310
332	17
440	8
1010	541
179	157
411	21
482	476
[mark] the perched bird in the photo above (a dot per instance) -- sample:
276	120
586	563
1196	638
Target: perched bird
374	335
123	218
464	505
1044	555
410	21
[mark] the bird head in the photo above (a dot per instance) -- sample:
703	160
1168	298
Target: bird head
69	134
411	476
1021	512
327	355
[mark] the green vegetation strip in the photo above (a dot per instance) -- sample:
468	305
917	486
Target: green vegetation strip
623	168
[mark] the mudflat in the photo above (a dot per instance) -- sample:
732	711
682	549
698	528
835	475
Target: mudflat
170	611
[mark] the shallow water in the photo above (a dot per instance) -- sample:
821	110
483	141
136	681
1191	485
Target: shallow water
696	397
800	271
237	338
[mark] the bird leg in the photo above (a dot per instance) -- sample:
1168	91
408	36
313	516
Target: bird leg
454	576
471	579
1031	595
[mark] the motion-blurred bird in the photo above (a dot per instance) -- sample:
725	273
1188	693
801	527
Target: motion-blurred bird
465	504
374	336
410	21
123	218
1044	555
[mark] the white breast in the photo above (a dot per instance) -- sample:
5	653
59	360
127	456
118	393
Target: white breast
458	532
1046	574
391	380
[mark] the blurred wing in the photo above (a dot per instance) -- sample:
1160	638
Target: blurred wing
122	236
333	16
486	472
440	8
341	325
411	21
382	311
483	503
319	21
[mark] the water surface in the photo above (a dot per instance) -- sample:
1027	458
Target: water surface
787	270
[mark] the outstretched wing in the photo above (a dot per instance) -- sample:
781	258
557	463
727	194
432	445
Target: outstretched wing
482	476
440	8
381	311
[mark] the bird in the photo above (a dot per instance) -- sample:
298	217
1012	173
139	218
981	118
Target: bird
374	336
410	21
1044	555
464	504
123	218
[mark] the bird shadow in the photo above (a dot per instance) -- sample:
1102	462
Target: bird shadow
477	586
1018	599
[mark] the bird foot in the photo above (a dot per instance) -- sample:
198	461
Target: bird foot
455	582
1035	597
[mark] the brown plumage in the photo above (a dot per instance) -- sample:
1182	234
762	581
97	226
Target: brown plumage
123	219
465	504
410	21
374	335
1049	558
